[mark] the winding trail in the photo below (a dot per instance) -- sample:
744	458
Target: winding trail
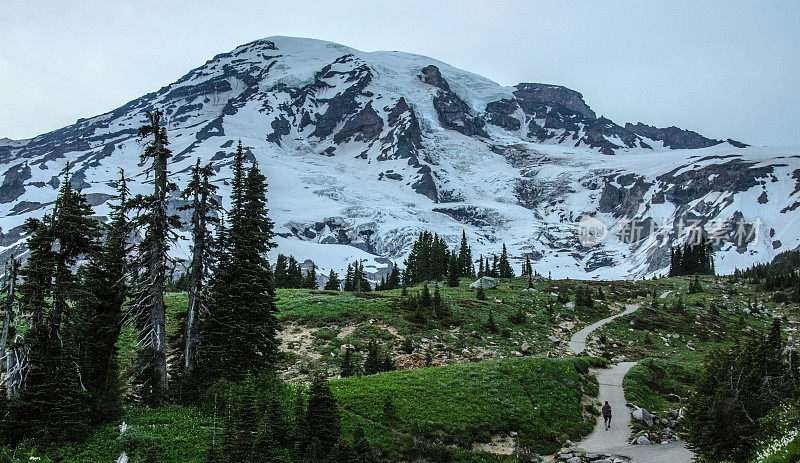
578	340
615	439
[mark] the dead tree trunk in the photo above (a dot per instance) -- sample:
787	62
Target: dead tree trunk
195	273
8	317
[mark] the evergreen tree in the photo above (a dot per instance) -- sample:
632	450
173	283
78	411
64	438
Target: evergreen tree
464	257
322	418
333	283
53	405
481	269
294	274
359	282
504	268
425	297
480	293
310	280
362	447
452	272
583	297
373	363
281	272
393	282
103	293
734	390
348	367
491	325
204	214
495	271
389	413
695	286
148	292
245	420
239	333
348	279
300	432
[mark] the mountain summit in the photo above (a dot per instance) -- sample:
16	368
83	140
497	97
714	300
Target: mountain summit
365	150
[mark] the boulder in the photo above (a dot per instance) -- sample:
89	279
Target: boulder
484	282
642	440
643	415
526	348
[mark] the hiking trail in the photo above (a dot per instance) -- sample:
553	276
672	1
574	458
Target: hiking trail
615	439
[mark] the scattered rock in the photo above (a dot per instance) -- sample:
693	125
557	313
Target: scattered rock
526	348
409	361
484	282
643	415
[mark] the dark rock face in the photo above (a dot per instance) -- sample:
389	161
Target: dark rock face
532	95
342	104
734	176
673	137
14	183
425	185
623	200
566	119
473	215
432	76
500	114
366	125
405	136
597	131
453	112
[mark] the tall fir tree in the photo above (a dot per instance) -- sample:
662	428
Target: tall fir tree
504	268
294	274
333	283
53	405
464	257
453	271
239	332
100	311
322	419
310	279
393	281
148	308
281	272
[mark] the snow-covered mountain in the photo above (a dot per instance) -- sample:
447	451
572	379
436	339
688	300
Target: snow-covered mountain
365	150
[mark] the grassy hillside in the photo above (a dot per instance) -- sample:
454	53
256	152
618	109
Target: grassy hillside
440	413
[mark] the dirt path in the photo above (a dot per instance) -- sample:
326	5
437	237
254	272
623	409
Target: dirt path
615	439
578	340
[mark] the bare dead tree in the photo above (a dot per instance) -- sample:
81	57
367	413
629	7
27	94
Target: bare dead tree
9	307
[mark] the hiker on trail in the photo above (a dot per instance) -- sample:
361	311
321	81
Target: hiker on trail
607	414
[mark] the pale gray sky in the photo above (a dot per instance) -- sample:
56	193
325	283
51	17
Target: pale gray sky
725	68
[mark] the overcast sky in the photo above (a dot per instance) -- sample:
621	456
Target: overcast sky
724	69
